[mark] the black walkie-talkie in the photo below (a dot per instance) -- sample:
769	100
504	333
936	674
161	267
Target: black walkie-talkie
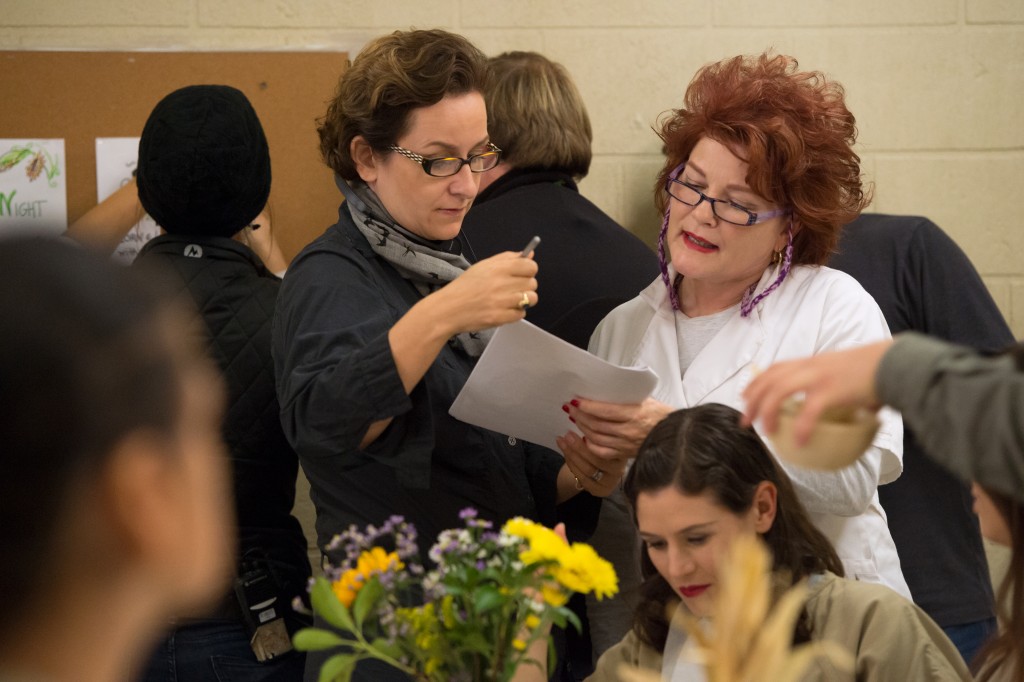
262	614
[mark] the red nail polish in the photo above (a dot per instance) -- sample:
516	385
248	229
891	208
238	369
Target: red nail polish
572	420
565	408
574	403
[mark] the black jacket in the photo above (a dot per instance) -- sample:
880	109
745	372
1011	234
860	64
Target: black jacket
235	296
337	376
588	263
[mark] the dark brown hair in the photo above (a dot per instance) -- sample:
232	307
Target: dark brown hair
536	114
704	449
390	77
794	130
1005	652
85	359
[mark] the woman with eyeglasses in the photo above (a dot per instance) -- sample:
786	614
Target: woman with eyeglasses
759	180
380	320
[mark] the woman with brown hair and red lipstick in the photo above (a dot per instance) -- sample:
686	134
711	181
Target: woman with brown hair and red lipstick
700	481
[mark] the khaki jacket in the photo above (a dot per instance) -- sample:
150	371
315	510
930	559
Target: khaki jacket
891	639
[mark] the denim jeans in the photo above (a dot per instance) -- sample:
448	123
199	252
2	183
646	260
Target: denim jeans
970	637
217	651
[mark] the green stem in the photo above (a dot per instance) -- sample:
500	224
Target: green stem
503	639
360	643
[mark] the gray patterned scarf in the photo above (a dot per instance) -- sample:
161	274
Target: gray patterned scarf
416	259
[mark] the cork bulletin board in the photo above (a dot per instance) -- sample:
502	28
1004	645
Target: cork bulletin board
79	96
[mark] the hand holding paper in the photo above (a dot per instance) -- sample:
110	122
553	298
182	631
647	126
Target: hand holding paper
524	377
615	431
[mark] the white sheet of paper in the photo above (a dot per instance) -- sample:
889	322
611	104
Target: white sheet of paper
525	375
116	158
33	194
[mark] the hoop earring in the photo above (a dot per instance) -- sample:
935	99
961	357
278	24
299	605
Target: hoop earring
749	300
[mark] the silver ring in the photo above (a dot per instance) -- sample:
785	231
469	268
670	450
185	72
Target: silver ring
524	302
597	476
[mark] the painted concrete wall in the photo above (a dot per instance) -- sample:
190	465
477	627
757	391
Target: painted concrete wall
937	85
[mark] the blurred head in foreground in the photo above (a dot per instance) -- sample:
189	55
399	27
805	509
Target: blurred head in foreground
112	482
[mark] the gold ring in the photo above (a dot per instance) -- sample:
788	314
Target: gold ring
579	486
524	302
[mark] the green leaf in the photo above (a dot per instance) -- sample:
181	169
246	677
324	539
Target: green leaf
338	668
13	157
552	655
327	605
388	648
315	639
487	598
475	641
368	596
575	620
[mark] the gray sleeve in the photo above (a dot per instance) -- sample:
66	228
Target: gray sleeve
967	410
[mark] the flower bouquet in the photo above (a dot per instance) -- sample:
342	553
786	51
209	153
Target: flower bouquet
473	617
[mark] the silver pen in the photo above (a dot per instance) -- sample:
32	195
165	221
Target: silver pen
530	247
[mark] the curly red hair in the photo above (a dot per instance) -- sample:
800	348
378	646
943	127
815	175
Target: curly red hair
794	130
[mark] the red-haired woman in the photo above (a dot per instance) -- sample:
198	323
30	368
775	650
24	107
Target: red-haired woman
760	177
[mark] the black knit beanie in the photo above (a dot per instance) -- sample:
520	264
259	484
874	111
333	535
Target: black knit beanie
204	164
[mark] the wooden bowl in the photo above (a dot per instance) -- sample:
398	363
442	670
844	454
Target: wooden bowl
838	439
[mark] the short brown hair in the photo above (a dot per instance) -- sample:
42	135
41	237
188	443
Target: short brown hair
390	77
536	115
795	132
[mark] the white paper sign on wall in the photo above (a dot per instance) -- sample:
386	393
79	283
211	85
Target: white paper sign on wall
116	158
33	190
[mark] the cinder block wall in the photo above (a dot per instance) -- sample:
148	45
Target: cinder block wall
937	85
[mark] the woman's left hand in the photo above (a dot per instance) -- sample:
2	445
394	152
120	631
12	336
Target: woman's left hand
614	431
585	471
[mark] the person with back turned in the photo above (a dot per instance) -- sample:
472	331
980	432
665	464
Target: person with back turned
588	263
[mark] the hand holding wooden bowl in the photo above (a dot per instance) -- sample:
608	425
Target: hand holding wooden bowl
840	436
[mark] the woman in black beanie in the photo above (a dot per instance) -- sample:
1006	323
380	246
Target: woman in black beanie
204	176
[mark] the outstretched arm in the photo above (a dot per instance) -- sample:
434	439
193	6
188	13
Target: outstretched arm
839	379
966	409
261	238
104	225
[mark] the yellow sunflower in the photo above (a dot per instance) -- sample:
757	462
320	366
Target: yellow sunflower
583	570
545	545
371	562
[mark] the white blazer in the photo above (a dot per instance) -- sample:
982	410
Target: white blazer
815	309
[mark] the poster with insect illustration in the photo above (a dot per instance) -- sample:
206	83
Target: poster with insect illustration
33	191
116	158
